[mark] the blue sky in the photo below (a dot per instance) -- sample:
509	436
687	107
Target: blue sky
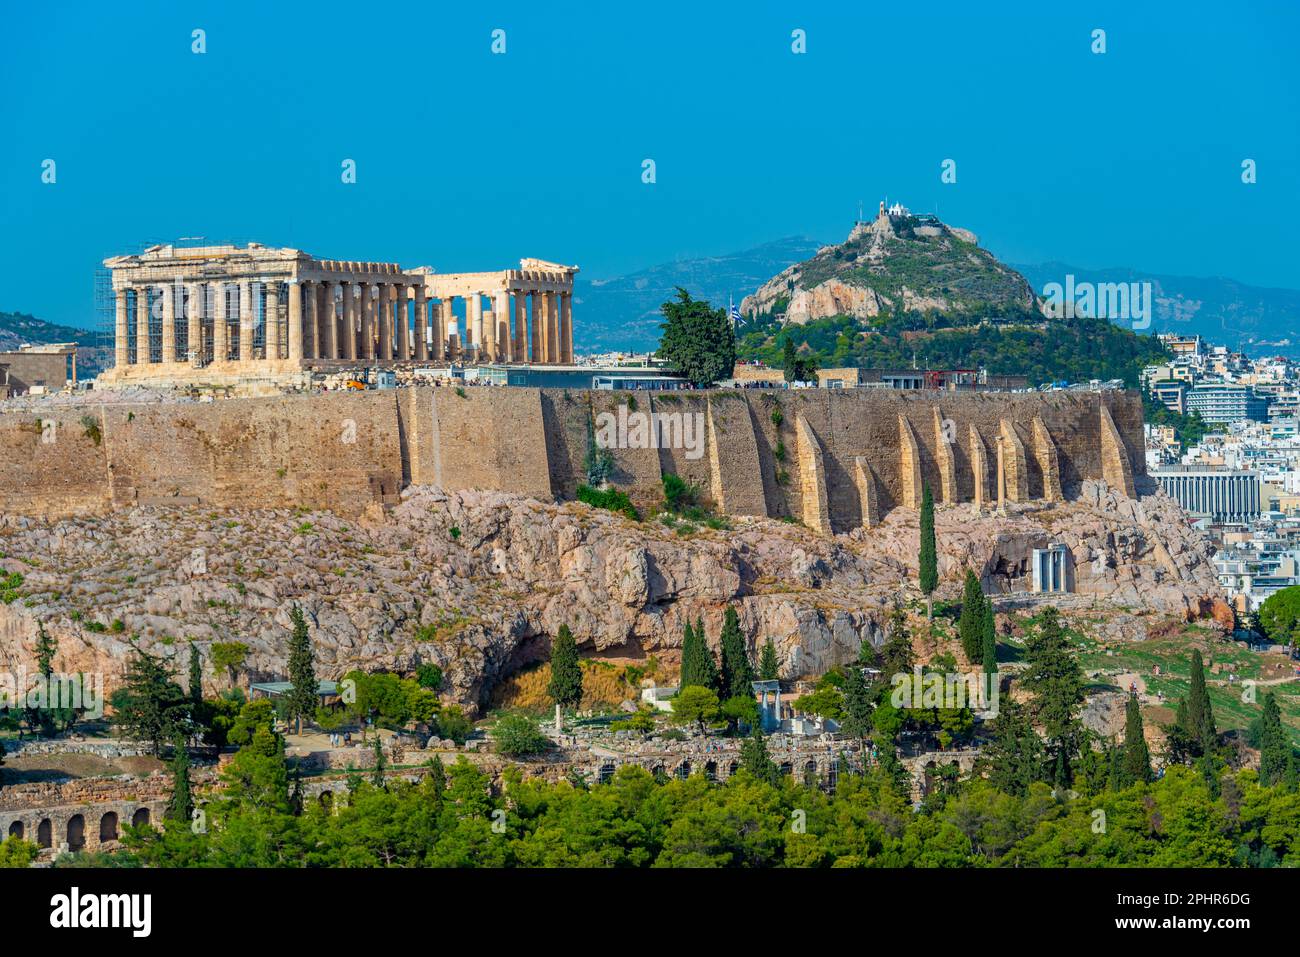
470	160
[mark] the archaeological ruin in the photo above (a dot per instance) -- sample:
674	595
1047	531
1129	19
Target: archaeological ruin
224	314
831	459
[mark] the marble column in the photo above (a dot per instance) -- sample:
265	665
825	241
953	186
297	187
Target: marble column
350	321
453	329
421	323
168	323
502	329
384	316
553	327
566	328
121	330
194	324
271	315
329	320
247	321
221	326
535	340
307	322
295	338
441	322
142	356
474	323
403	326
369	309
520	351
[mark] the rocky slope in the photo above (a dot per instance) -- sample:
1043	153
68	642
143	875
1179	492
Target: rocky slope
897	263
477	581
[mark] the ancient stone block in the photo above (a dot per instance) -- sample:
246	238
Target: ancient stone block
1015	474
812	476
909	465
1045	453
1115	466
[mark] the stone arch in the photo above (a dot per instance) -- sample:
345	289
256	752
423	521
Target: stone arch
810	772
732	768
108	827
45	833
711	770
833	773
659	771
16	830
683	770
787	767
141	816
76	832
606	772
326	800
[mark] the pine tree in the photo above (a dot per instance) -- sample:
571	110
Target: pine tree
151	706
1274	749
565	687
769	669
971	622
181	806
1015	756
1054	677
1200	713
896	656
989	640
196	676
1136	760
929	561
304	695
737	672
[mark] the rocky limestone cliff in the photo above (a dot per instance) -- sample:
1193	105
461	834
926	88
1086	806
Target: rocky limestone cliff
897	263
477	581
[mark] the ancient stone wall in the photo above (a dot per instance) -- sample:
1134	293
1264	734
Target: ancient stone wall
803	454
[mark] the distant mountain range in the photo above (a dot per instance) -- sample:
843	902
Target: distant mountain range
623	312
1254	319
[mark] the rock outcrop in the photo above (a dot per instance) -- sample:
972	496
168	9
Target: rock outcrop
476	582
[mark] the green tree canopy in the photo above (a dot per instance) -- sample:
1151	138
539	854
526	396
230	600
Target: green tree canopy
698	341
565	687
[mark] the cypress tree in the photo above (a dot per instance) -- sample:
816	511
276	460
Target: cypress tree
46	648
1200	713
929	561
706	666
769	669
377	775
737	672
989	640
181	805
690	658
1274	749
565	687
1136	760
303	696
196	676
1053	675
755	759
971	622
856	722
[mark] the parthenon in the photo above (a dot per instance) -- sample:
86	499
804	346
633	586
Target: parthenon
263	312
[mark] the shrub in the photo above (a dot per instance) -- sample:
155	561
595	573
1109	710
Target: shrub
517	736
611	499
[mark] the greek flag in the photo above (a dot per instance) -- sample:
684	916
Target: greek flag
734	316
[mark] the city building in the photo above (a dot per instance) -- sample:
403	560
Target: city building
1222	402
1224	495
